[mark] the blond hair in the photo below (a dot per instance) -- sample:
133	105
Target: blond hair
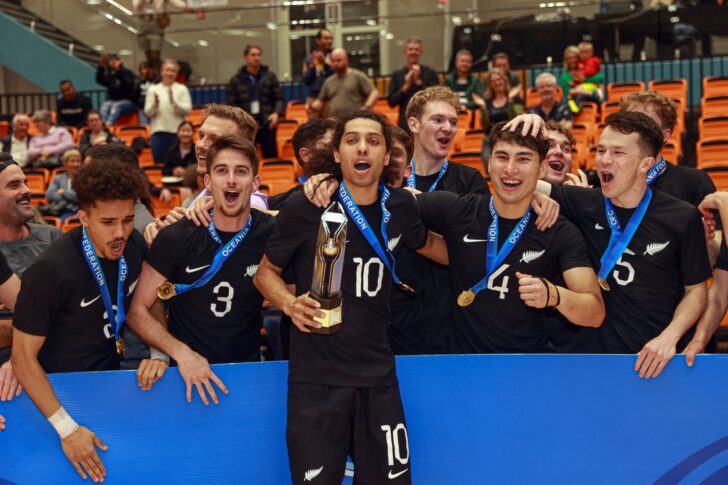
416	105
488	92
247	126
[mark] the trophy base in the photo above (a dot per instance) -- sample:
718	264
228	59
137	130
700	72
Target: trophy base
331	321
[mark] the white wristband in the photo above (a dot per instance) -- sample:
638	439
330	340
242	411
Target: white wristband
63	423
159	355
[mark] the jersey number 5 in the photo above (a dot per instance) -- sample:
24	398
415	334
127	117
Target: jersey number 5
624	276
226	299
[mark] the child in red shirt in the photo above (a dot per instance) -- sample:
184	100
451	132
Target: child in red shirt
589	63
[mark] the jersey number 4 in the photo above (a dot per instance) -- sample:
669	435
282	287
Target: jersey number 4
224	302
503	288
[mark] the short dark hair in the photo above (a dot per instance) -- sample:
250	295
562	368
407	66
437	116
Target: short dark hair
307	134
252	46
185	122
538	144
320	32
237	143
405	139
501	55
650	134
367	115
65	81
107	179
553	125
114	151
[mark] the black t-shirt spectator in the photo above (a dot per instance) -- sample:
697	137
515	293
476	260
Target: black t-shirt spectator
397	97
559	112
121	84
174	159
73	113
59	300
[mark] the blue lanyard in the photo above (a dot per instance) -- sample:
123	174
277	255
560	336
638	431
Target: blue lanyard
118	318
385	254
493	257
619	240
656	171
302	179
222	255
412	179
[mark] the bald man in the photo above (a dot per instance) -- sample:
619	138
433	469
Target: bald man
348	90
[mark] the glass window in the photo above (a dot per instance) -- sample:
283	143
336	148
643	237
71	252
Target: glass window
307	16
363	49
364	12
301	47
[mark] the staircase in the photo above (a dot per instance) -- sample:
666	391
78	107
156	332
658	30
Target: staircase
47	30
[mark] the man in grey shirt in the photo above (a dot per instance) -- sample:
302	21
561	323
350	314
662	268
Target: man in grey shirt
348	90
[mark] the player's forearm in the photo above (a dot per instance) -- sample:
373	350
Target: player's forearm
153	331
34	380
372	98
435	249
583	309
273	288
714	247
6	333
543	187
711	318
693	303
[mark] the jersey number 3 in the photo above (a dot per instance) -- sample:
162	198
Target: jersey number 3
224	302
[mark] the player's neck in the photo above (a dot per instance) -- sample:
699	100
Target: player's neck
363	195
426	164
630	198
511	210
226	223
11	232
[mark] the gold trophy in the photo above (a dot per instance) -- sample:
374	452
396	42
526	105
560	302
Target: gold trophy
327	268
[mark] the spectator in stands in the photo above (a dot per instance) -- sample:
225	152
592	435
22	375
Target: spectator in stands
402	151
255	88
463	81
181	155
550	108
17	142
147	77
408	80
317	66
495	104
193	181
559	157
46	148
121	87
589	64
167	104
502	62
60	194
347	91
72	107
578	88
96	134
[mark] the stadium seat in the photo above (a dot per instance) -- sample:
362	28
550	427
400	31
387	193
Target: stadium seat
139	130
277	170
70	223
590	162
577	157
465	120
128	120
713	127
37	180
4	128
472	141
275	187
296	110
74	133
38	198
715	86
714	106
608	108
719	176
671	153
582	134
589	113
53	221
145	158
284	132
286	151
381	106
163	208
470	159
712	153
672	88
154	174
195	116
615	91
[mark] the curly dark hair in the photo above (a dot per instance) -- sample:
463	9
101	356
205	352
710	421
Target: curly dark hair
107	179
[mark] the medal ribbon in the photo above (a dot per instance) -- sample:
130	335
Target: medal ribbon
412	179
361	222
118	318
619	239
656	171
493	257
222	255
302	179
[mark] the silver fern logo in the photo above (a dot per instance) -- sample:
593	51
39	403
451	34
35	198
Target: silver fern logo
393	242
655	248
311	474
132	287
529	256
251	270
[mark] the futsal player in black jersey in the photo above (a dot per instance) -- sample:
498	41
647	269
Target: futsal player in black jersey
343	395
214	308
70	316
655	276
502	268
9	287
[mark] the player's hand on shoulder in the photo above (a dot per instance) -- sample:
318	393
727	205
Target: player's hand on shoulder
80	449
655	355
149	372
151	231
547	210
174	215
9	385
580	180
302	310
412	190
196	371
320	188
199	211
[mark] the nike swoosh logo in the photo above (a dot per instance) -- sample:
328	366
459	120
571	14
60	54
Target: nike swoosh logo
85	303
194	270
468	240
392	476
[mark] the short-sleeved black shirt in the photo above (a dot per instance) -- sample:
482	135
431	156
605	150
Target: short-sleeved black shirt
667	253
220	320
684	183
59	299
5	271
722	262
276	202
359	355
498	321
421	322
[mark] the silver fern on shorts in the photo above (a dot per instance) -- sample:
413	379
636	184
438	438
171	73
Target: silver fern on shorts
311	474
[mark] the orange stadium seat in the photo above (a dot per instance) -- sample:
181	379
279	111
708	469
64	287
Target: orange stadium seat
162	208
139	130
582	134
589	113
195	116
38	198
713	127
590	160
277	170
128	120
719	176
671	153
470	159
275	187
4	128
714	106
146	159
532	98
36	180
154	174
712	153
608	108
284	132
715	86
672	88
296	110
615	91
53	221
472	141
70	223
286	151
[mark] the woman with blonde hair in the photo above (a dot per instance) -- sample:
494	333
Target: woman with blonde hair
495	105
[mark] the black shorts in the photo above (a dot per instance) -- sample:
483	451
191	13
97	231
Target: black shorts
325	423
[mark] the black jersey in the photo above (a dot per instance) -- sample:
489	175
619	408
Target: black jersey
667	253
421	322
358	355
498	320
5	271
276	202
59	300
220	320
684	183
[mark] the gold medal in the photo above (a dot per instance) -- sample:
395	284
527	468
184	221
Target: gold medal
603	284
166	291
406	288
120	348
466	298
